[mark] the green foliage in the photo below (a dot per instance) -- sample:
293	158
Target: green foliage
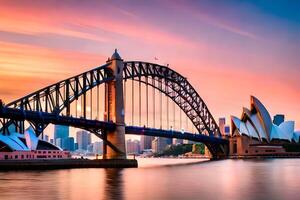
175	150
198	148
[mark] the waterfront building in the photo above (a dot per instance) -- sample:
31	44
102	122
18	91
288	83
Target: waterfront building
76	146
146	142
46	138
18	146
227	130
255	134
98	147
58	142
177	141
68	144
83	139
90	148
61	131
188	142
133	146
222	122
159	144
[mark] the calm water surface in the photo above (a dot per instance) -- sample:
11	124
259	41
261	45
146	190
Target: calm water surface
161	179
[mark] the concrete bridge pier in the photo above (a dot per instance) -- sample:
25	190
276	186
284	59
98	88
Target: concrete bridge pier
114	109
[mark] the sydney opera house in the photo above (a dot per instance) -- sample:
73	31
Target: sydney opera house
256	134
18	146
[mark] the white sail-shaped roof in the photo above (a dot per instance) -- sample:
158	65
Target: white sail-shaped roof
16	137
259	127
31	139
257	123
243	129
236	121
287	129
251	130
264	114
11	143
296	136
241	126
276	132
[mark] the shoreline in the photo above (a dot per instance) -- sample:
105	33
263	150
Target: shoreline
48	164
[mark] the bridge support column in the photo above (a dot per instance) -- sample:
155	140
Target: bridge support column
114	109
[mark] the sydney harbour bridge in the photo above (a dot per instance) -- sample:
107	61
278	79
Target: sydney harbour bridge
76	102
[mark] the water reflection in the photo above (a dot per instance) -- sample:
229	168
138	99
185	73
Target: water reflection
160	179
113	184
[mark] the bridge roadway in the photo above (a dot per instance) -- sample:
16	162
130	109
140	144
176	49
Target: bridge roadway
46	118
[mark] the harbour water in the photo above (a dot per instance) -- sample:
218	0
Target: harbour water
161	179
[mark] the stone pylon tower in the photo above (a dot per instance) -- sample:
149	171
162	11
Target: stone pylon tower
114	109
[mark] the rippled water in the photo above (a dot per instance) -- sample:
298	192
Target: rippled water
161	179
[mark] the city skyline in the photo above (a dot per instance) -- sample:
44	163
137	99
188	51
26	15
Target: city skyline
250	44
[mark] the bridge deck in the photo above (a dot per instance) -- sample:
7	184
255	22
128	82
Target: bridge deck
46	118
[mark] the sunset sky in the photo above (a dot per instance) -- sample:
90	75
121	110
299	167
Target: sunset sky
228	50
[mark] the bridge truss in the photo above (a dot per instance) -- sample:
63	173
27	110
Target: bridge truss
52	104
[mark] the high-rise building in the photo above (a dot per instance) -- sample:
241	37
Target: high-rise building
68	144
159	144
83	139
75	146
58	142
98	147
90	148
133	146
146	142
227	130
60	132
188	142
278	119
177	141
46	138
222	122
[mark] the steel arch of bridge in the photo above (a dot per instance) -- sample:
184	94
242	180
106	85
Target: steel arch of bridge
178	89
58	97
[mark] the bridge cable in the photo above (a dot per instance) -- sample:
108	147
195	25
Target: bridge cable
76	108
81	106
147	109
160	98
166	90
153	93
186	118
98	102
84	96
124	96
180	117
132	104
140	99
174	111
91	103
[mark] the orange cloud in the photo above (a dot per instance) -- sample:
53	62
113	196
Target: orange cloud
31	67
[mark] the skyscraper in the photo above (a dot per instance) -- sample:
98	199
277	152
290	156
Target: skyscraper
227	130
146	142
98	147
159	144
68	144
46	138
133	146
222	122
177	141
83	139
61	132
